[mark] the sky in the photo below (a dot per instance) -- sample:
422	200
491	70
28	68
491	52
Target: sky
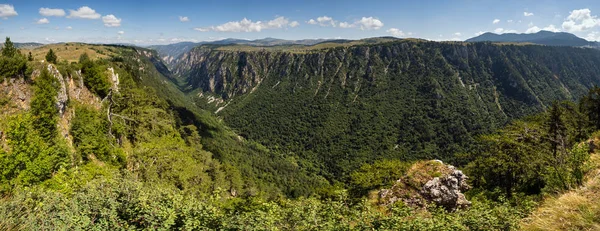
146	22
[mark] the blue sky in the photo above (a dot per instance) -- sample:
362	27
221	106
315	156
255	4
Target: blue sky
162	22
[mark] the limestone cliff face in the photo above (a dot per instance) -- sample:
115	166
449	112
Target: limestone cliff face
499	74
347	104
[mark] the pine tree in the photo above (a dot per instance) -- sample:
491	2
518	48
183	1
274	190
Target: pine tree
51	56
30	57
9	49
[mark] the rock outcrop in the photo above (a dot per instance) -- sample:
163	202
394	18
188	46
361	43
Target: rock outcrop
62	98
447	191
429	182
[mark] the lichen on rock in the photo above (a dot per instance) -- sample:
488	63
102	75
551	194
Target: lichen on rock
428	182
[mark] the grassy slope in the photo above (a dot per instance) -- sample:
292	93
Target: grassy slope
70	51
578	209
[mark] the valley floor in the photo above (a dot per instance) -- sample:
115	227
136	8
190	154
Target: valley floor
578	209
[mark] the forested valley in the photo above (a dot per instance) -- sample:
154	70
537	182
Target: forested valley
333	137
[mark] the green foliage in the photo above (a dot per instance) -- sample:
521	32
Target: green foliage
541	153
90	136
12	63
9	50
43	105
94	76
377	175
339	108
125	204
51	56
30	159
30	57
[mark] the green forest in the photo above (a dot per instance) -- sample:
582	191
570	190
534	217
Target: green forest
141	154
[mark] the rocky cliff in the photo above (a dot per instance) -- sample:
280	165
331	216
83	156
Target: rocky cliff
342	105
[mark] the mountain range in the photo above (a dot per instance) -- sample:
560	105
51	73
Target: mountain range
541	38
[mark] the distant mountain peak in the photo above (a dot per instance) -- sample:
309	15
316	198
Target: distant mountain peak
543	37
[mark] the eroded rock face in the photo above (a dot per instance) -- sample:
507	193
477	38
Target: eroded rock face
447	191
429	182
62	97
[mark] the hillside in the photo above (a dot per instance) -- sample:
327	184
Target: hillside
335	136
541	38
343	105
578	209
169	53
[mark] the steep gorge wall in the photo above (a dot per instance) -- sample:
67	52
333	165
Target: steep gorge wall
344	106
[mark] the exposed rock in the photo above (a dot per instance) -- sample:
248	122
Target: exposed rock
62	97
115	79
428	182
446	191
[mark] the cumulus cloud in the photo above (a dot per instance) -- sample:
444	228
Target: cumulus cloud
527	14
496	21
69	28
184	19
52	12
121	32
396	32
580	20
7	11
111	21
593	36
365	23
84	12
504	31
43	21
509	21
312	22
369	23
479	33
324	21
246	25
346	25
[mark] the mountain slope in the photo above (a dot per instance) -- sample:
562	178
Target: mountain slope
342	106
172	51
542	38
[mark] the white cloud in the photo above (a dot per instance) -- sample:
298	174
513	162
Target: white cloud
52	12
111	21
496	21
121	32
84	12
396	32
509	21
43	21
551	28
593	36
324	21
346	25
458	34
312	22
69	28
369	23
246	25
202	29
527	14
533	29
184	19
7	11
479	33
503	31
580	20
